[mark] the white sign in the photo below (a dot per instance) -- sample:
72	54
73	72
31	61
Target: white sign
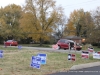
96	55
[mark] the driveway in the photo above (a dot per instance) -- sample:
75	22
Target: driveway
52	50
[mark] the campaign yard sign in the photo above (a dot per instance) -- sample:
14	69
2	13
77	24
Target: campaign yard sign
55	46
85	54
90	49
19	47
71	57
36	62
1	53
96	55
43	57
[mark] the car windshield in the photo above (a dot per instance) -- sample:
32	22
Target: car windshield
62	40
9	40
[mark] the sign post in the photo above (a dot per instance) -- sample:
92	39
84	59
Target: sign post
69	47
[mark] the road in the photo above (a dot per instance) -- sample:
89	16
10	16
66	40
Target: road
52	50
86	71
49	49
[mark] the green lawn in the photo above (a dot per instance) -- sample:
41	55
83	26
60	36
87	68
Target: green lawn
85	47
96	48
17	62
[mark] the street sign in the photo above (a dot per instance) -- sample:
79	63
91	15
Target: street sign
1	53
36	62
43	58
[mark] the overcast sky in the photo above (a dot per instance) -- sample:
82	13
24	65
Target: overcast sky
68	5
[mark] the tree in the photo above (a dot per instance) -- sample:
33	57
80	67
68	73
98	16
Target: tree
94	37
9	19
41	17
69	29
79	23
60	24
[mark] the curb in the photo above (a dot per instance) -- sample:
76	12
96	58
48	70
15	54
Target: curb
81	66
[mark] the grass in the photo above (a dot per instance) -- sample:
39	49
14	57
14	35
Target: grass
96	48
85	47
17	62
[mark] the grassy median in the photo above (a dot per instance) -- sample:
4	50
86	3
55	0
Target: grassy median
17	62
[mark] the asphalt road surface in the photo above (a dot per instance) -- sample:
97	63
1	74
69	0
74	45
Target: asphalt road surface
85	71
50	49
53	50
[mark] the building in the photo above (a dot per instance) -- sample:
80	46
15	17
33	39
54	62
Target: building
74	38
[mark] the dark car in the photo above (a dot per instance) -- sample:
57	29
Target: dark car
64	44
11	43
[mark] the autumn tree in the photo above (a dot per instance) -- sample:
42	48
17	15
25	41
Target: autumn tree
9	19
2	25
79	23
69	29
39	19
2	22
95	35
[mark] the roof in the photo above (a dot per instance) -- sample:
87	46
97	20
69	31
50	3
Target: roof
73	38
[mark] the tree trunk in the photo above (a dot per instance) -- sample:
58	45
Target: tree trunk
98	44
41	41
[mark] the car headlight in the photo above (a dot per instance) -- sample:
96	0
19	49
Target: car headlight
80	46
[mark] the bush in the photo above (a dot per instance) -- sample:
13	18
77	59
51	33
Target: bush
94	44
46	42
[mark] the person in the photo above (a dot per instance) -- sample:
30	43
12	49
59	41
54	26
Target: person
5	44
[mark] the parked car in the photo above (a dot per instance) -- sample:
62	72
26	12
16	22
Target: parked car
64	44
10	43
77	47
